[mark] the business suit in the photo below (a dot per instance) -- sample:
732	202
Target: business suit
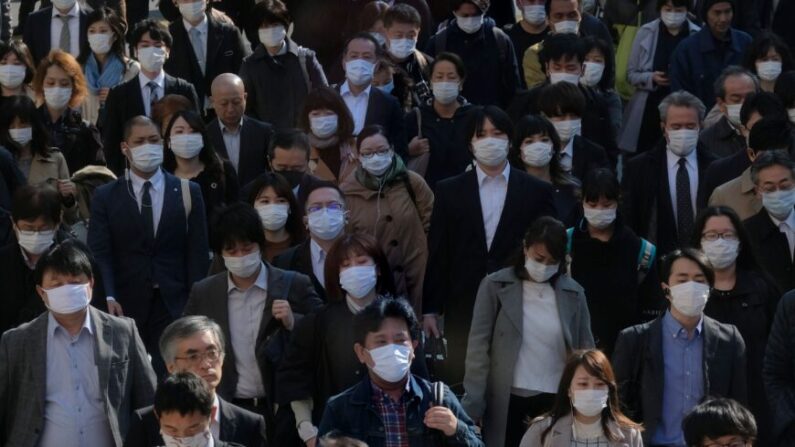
299	259
254	141
459	257
26	7
639	365
125	376
236	425
772	249
495	340
37	33
778	370
237	10
126	101
721	171
384	110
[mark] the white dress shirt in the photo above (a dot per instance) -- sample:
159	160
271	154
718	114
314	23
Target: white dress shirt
56	25
492	199
318	262
146	93
691	163
567	156
156	193
246	308
356	104
202	27
787	226
232	143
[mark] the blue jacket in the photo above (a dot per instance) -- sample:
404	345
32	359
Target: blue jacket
696	64
352	413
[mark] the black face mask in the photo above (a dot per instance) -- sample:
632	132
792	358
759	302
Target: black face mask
293	177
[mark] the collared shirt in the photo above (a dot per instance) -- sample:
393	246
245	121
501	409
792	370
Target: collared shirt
202	28
567	156
31	265
56	25
156	193
146	92
492	198
318	262
232	142
683	378
357	104
74	405
691	164
393	414
246	308
787	226
215	424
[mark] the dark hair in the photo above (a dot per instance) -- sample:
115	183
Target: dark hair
362	35
667	262
33	201
235	223
601	182
371	318
785	88
551	233
67	258
371	12
767	159
719	86
294	225
323	184
770	134
288	139
271	12
759	47
455	4
560	99
548	5
715	418
183	392
763	103
476	118
590	43
356	244
213	165
596	364
136	121
675	3
157	31
22	107
18	47
117	26
746	259
454	59
560	46
402	13
531	125
369	131
328	98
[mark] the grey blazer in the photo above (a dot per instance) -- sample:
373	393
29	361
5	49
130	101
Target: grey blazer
125	377
495	339
560	435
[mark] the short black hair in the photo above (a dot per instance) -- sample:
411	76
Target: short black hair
402	13
362	36
676	3
288	139
549	232
157	31
561	46
270	12
33	201
185	393
767	159
715	418
321	185
236	223
601	182
667	262
67	258
763	103
136	121
371	317
454	59
785	88
476	118
369	131
560	99
770	133
548	5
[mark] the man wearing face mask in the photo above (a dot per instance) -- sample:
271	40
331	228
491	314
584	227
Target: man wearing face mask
532	29
149	235
67	25
661	186
402	24
385	333
725	137
666	366
74	375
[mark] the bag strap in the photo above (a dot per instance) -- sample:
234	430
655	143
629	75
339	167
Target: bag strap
441	39
187	200
303	55
289	275
418	113
646	256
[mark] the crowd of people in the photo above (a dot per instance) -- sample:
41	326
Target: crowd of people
535	223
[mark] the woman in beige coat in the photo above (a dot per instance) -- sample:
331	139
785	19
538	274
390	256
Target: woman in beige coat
392	204
329	125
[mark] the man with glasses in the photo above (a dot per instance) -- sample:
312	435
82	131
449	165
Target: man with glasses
719	423
196	344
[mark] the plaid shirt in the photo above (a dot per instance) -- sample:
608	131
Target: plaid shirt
393	414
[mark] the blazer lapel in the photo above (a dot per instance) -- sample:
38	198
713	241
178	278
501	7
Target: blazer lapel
372	106
37	347
130	203
227	420
654	358
136	102
511	298
171	197
577	156
217	135
475	211
710	345
513	200
566	311
214	40
103	336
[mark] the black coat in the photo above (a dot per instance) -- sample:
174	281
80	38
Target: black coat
779	371
722	140
385	110
26	7
782	20
587	157
721	171
255	136
772	249
237	10
78	140
299	259
37	32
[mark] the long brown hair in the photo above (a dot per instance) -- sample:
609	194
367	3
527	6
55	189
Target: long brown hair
596	364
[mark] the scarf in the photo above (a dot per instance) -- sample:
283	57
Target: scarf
396	172
323	143
110	77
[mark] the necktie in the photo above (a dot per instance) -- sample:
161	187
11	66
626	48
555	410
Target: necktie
198	47
684	206
146	211
152	94
65	40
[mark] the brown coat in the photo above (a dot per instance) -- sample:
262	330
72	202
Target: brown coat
348	164
401	229
50	168
739	195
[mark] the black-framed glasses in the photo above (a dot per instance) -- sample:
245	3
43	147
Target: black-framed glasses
213	355
332	206
381	151
714	236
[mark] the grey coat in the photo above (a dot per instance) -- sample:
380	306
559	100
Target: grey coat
126	378
495	339
560	435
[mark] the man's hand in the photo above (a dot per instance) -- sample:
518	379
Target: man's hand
114	308
442	419
430	326
660	78
418	146
66	188
283	313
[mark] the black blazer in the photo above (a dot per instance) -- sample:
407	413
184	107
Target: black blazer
255	136
225	53
384	110
237	425
124	102
37	32
772	249
639	365
299	259
587	156
721	171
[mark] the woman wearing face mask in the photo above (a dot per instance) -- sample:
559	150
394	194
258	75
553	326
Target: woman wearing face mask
767	57
329	125
526	320
16	70
104	62
586	410
192	157
392	204
743	295
280	213
598	73
394	81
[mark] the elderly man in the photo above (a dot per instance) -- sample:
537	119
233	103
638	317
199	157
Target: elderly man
196	344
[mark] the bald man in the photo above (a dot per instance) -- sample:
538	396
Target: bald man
238	138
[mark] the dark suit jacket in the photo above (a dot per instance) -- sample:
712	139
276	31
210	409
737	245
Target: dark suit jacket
210	297
237	10
639	364
299	259
384	110
37	32
26	7
772	249
778	370
721	171
225	53
131	263
722	140
587	157
647	205
124	102
255	136
237	425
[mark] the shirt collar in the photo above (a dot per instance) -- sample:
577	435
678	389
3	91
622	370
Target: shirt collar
379	394
482	176
202	26
72	12
160	80
53	324
260	283
569	148
317	250
691	159
345	90
226	129
790	220
671	326
156	180
217	406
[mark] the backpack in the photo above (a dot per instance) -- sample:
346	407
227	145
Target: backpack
646	255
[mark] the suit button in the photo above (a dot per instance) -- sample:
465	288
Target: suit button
389	218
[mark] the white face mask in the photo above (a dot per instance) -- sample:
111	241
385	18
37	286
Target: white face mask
683	141
690	298
791	114
768	71
152	58
69	298
272	36
192	11
592	73
57	97
540	272
147	157
673	19
392	362
537	154
273	215
567	129
779	203
562	76
589	402
377	164
534	14
359	72
567	27
187	145
358	280
35	242
733	113
446	92
721	252
197	440
64	4
324	126
470	25
402	48
100	43
22	135
599	218
12	76
490	151
326	224
243	266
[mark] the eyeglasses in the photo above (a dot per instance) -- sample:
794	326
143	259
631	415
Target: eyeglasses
213	355
381	151
332	206
713	236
